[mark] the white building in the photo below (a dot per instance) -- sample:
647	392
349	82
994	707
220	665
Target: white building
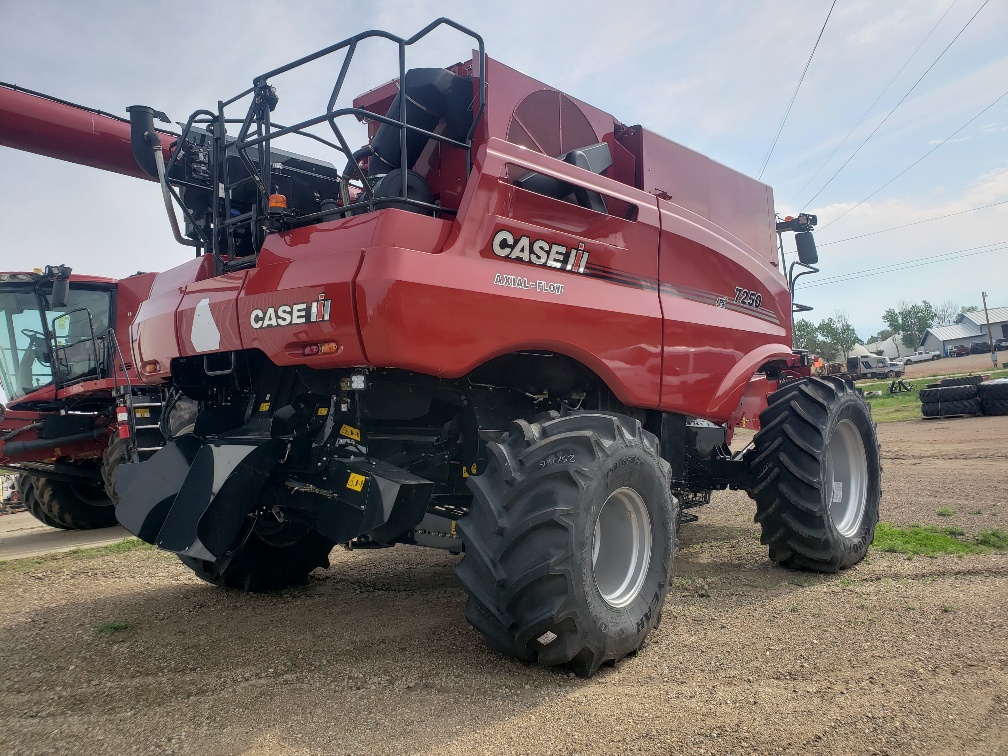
892	347
969	327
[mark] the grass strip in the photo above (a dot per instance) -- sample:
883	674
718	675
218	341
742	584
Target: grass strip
931	541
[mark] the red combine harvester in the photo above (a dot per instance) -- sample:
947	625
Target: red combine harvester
64	378
60	367
509	325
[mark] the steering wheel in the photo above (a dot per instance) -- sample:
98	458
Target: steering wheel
40	344
33	334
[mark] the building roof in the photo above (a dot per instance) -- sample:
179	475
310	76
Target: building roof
962	330
997	315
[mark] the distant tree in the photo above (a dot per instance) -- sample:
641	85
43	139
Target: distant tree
946	312
805	336
839	333
885	333
912	319
969	308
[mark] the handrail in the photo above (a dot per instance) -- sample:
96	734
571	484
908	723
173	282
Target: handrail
257	130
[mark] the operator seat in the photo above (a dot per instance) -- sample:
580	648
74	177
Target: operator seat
23	377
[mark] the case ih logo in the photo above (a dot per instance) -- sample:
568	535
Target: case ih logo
540	252
291	314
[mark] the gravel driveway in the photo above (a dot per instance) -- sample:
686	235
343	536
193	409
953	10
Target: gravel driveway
129	653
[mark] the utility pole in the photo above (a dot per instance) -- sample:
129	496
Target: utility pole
990	336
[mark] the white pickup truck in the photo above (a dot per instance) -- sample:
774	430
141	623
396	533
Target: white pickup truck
921	355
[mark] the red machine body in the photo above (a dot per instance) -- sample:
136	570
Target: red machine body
681	268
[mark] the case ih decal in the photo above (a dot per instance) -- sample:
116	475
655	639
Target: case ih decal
540	252
291	314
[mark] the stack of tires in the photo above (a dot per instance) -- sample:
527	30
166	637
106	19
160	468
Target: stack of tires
993	397
968	395
951	396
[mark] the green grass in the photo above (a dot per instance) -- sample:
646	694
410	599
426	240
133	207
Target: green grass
993	539
111	628
944	512
931	541
119	547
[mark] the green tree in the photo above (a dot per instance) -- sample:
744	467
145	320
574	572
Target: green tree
912	319
885	333
969	308
838	332
805	336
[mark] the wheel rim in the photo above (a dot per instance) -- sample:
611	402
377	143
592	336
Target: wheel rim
846	478
621	547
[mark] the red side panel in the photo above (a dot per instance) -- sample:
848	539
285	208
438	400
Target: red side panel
446	314
130	294
154	336
725	315
207	316
733	203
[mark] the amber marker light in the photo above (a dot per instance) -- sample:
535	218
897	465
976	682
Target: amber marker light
329	347
277	202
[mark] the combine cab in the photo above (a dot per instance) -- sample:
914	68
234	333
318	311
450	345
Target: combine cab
64	377
506	324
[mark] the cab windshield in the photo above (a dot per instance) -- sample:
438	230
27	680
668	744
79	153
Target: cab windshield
30	328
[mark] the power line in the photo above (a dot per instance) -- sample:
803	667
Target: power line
933	64
788	111
943	141
907	264
907	225
865	114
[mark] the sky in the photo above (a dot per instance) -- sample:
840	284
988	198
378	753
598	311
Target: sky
919	81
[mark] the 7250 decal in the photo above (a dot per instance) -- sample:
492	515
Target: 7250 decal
748	298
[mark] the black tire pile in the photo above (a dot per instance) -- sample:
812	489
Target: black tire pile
968	395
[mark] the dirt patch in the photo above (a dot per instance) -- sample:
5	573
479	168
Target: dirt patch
130	653
972	363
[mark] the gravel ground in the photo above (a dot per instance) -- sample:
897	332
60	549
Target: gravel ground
971	363
129	653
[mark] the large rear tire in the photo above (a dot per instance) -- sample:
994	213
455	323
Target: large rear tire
272	557
570	541
75	506
951	409
26	490
816	473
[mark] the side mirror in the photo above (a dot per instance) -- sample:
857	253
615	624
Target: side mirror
807	254
60	276
60	289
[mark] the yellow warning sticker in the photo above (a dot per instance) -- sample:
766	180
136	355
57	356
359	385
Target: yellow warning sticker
473	468
323	411
465	473
356	482
350	432
453	533
264	407
142	412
